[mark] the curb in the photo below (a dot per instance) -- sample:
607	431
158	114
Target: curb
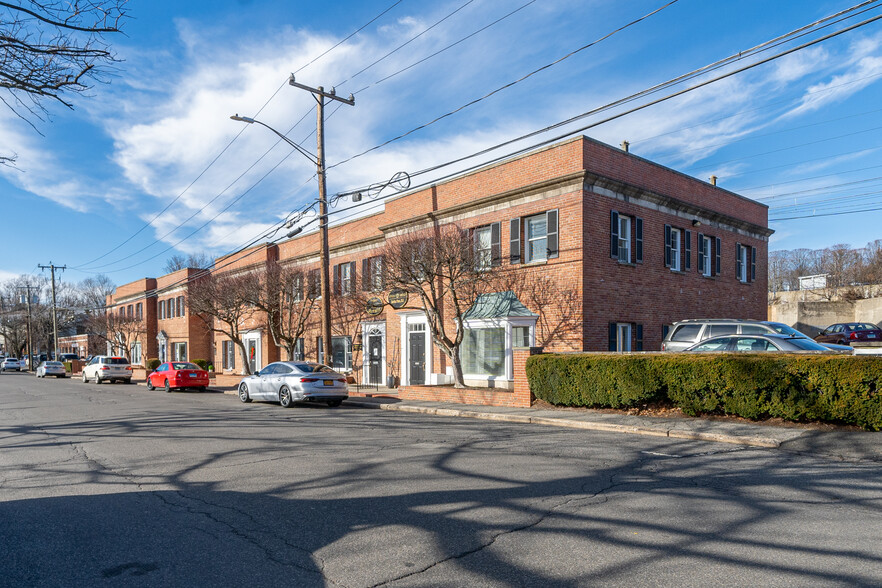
572	424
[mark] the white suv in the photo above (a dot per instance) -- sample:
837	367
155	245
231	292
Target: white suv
10	363
103	368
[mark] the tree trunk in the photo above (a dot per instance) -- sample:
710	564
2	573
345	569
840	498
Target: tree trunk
244	352
458	380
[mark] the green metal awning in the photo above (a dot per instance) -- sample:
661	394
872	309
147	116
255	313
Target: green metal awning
497	305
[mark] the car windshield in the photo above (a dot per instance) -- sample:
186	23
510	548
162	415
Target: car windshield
313	367
806	344
783	329
184	366
116	360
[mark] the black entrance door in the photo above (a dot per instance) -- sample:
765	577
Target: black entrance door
416	357
375	355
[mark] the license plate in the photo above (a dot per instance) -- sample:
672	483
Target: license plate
871	336
329	382
192	375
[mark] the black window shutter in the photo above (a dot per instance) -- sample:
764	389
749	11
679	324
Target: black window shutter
687	250
337	279
614	234
638	343
552	238
667	245
718	255
353	283
365	273
381	261
232	356
514	240
738	260
701	252
753	264
612	336
638	240
495	244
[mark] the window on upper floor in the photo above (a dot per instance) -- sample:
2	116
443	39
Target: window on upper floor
487	246
181	306
626	238
297	287
533	238
372	274
139	311
678	248
745	263
314	284
344	278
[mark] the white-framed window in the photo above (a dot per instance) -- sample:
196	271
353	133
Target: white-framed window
135	353
675	250
179	352
346	275
704	255
483	248
623	337
297	288
486	351
181	306
624	239
228	350
161	306
372	268
139	311
536	236
742	259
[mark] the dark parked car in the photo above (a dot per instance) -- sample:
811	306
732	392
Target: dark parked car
760	344
287	382
848	333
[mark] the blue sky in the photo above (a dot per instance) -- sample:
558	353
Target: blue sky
800	133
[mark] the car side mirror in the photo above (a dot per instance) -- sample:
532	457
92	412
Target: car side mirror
257	373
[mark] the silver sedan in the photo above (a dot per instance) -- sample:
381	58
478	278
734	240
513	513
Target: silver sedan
760	344
287	382
51	368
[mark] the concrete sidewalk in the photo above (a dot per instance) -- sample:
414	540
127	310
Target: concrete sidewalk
839	444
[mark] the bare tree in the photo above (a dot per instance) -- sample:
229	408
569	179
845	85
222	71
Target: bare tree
561	313
52	49
444	275
179	262
280	292
347	313
117	328
223	302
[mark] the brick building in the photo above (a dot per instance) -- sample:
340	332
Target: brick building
137	299
626	247
637	245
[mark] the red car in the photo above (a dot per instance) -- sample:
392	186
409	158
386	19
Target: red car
178	374
848	333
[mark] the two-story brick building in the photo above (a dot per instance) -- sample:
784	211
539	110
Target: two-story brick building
625	248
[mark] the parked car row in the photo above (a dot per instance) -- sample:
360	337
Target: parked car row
734	335
285	382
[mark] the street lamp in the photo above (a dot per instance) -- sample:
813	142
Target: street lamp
319	161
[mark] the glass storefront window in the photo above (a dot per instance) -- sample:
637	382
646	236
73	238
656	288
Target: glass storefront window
483	351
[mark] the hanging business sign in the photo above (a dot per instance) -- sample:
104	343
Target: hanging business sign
374	306
397	298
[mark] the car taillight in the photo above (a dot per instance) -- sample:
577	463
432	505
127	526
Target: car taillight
104	367
304	380
853	336
129	368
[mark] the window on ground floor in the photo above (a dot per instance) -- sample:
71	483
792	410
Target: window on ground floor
483	351
179	352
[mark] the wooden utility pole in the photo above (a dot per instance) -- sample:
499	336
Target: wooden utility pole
27	289
54	307
319	94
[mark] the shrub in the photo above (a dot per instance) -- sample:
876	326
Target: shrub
202	363
152	364
68	367
793	387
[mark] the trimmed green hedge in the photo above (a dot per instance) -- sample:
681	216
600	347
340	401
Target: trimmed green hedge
835	388
152	364
202	363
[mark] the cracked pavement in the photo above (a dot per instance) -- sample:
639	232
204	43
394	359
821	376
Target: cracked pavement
128	487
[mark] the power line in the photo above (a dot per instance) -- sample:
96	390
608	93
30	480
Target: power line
224	150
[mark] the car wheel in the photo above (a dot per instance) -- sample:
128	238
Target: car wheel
98	380
285	397
150	385
334	403
85	379
243	393
200	389
167	386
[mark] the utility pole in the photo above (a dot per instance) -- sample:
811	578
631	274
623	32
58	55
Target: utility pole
27	289
54	307
319	94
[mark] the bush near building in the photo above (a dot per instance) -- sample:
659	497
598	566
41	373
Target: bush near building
152	364
842	389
